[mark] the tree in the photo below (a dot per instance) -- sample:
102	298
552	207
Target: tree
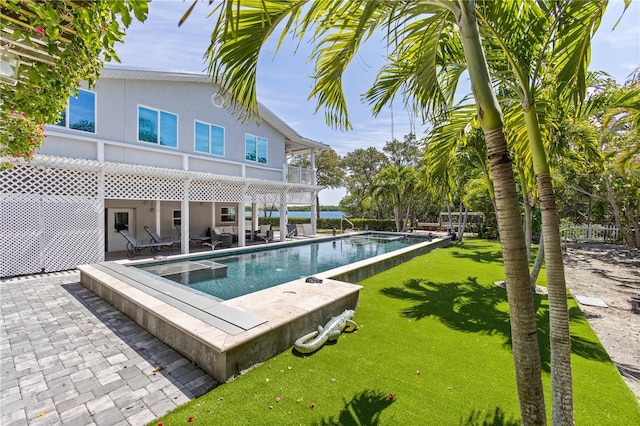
71	41
404	153
361	167
397	186
420	34
543	48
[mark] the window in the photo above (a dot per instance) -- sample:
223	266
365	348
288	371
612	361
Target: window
157	126
177	218
80	113
256	148
209	138
228	214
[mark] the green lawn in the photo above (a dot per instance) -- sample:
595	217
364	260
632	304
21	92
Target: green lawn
434	334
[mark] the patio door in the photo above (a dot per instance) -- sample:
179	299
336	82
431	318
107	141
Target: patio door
118	219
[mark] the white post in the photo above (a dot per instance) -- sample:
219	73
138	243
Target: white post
101	218
242	236
314	209
184	220
283	216
156	209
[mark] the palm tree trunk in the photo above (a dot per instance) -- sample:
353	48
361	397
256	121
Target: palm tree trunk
537	265
559	335
528	216
524	335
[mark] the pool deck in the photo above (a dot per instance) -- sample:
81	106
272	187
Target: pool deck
68	357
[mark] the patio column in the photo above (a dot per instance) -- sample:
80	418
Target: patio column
101	215
254	220
314	194
283	216
156	209
184	219
242	236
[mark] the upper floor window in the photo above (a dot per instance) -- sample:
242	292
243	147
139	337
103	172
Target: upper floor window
256	148
80	113
157	126
209	138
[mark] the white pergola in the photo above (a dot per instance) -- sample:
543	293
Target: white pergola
52	208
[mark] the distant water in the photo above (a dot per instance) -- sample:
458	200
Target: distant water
323	214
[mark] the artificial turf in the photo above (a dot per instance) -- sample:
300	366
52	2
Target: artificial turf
432	348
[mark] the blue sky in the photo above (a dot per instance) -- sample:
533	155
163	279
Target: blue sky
284	83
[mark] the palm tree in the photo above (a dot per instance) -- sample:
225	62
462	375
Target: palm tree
545	44
421	33
397	185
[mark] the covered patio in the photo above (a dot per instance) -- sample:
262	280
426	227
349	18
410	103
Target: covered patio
59	208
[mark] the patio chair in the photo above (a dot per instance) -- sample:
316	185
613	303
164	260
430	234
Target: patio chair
155	237
305	230
194	238
265	233
135	247
224	238
292	231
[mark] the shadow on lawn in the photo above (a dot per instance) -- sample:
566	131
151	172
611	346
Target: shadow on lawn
474	308
489	418
363	409
487	256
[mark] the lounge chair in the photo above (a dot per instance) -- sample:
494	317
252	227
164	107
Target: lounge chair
155	237
292	231
305	230
265	233
135	247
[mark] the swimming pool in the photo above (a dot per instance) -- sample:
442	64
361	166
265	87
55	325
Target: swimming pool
227	277
225	337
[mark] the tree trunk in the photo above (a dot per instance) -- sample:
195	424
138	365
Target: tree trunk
535	271
462	226
524	335
616	212
559	335
528	215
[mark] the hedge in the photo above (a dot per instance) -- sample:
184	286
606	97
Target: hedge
323	223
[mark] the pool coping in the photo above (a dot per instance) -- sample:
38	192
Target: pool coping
288	310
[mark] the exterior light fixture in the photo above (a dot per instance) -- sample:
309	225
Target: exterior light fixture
9	68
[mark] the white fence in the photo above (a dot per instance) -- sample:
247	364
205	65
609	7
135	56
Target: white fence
588	233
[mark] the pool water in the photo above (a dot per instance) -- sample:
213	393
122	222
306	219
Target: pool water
227	277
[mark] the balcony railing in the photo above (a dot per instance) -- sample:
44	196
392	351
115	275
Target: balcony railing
297	174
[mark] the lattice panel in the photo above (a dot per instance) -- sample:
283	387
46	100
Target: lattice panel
72	232
299	197
215	191
264	194
49	181
132	187
19	235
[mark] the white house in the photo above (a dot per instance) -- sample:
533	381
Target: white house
145	148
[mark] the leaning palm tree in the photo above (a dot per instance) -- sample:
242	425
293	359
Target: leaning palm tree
420	34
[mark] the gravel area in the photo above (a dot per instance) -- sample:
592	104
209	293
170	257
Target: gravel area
611	273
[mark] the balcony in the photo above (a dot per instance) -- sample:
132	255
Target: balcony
297	174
